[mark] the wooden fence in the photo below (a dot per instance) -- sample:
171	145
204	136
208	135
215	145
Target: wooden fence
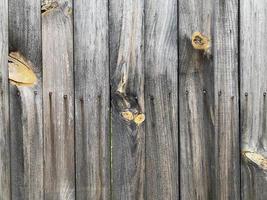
114	99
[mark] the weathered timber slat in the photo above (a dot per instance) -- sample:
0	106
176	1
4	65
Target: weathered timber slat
126	27
161	100
4	105
26	103
58	99
92	126
253	72
208	97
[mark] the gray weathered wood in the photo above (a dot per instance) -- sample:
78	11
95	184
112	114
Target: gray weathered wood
161	100
58	100
208	96
26	103
127	63
4	105
92	126
253	18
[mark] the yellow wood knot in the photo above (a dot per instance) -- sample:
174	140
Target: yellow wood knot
200	41
48	6
256	158
20	70
127	115
139	119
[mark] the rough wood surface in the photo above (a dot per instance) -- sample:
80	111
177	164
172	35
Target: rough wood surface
26	103
4	105
58	100
127	67
208	96
253	17
92	127
161	100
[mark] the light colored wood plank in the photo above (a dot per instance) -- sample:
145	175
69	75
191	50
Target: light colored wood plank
26	103
161	100
127	63
4	105
208	96
253	18
58	100
92	127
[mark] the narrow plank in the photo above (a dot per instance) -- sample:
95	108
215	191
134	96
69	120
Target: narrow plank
58	100
92	125
208	96
26	103
4	105
253	17
161	100
127	67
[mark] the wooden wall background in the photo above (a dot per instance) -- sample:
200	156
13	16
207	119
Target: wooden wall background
205	131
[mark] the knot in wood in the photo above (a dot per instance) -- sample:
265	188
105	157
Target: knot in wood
200	41
127	107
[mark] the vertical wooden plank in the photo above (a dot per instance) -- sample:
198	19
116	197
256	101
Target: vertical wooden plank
4	105
127	72
161	99
253	18
92	99
208	93
26	103
58	98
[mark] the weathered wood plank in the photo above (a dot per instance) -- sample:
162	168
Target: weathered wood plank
58	100
92	99
4	105
208	96
161	100
26	103
127	68
253	18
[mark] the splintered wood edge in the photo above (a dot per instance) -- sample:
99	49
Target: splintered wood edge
256	158
19	67
200	41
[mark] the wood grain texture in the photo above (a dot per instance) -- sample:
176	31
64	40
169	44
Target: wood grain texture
161	100
208	94
92	127
58	98
253	17
127	63
4	105
26	103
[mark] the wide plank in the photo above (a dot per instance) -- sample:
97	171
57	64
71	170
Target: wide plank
58	100
253	18
26	103
92	105
127	71
208	96
161	100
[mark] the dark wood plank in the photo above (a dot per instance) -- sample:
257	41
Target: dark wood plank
26	103
58	100
208	95
92	127
161	100
253	18
127	69
4	105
